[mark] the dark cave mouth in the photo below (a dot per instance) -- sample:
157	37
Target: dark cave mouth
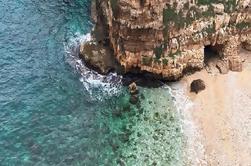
212	53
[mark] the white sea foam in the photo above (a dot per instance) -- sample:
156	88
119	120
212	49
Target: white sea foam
98	86
195	152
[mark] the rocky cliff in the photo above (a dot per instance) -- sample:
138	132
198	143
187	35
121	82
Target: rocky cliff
169	37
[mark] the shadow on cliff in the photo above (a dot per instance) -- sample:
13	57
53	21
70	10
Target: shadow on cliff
143	79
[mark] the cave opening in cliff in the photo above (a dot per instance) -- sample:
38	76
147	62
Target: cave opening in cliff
212	54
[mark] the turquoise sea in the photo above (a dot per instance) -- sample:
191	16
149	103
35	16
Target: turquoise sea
55	111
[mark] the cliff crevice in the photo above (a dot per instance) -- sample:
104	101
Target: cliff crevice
168	37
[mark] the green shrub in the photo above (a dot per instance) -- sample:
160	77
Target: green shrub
158	51
230	6
165	61
243	25
169	15
208	2
209	12
146	60
210	29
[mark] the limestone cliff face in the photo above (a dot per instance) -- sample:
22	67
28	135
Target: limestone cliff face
168	37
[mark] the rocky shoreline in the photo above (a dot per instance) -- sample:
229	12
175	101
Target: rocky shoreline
167	39
152	41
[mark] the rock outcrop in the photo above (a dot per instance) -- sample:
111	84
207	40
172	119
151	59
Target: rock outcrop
168	37
197	86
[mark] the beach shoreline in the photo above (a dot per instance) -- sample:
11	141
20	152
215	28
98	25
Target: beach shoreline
222	114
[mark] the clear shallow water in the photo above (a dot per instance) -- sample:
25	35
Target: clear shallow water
55	114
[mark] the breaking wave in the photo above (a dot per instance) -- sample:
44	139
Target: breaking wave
194	150
101	87
98	86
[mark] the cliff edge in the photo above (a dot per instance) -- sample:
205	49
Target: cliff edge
168	37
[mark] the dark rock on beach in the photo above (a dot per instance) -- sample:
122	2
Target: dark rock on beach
197	86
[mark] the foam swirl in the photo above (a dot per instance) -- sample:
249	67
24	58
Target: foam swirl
98	86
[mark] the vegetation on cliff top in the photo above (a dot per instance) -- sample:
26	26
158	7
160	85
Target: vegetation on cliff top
243	25
230	5
181	19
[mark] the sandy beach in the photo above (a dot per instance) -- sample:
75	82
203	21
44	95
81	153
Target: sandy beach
222	114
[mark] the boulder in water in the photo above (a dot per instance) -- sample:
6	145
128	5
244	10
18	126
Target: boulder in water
133	89
96	57
197	86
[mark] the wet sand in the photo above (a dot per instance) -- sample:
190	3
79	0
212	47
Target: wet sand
222	114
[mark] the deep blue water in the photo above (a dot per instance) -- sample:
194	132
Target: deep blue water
48	115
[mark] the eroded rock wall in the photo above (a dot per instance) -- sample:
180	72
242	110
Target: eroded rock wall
167	37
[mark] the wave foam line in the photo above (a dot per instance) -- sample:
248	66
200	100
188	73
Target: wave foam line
98	86
195	152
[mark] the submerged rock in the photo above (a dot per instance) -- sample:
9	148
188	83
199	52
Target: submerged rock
134	99
116	113
121	162
197	86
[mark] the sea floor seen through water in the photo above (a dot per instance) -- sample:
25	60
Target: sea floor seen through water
55	111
